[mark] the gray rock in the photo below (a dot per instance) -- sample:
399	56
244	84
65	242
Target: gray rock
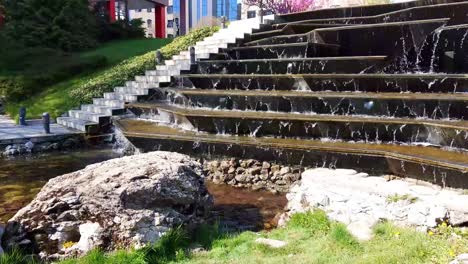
461	259
120	203
271	242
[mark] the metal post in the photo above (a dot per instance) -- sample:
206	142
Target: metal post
22	116
224	21
46	122
159	57
261	12
192	55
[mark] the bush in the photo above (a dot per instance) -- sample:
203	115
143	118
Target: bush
314	221
128	69
109	31
27	71
67	25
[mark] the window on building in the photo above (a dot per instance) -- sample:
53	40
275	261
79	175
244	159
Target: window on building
251	14
150	35
170	35
170	23
149	10
170	10
149	23
138	10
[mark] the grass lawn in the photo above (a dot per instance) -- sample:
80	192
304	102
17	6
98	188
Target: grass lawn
56	98
311	238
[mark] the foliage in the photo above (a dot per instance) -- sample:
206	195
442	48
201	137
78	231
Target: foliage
281	6
314	221
67	25
121	29
128	69
401	197
184	42
15	256
56	99
27	71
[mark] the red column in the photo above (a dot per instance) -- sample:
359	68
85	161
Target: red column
160	21
112	17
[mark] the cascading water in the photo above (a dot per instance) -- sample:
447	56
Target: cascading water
121	144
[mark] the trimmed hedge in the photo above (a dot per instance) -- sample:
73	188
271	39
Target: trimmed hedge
128	69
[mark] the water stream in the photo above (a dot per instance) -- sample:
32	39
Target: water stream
21	178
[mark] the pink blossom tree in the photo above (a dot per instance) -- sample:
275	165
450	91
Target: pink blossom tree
281	6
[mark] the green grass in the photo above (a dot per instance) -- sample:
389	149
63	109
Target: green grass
118	51
310	237
56	99
401	197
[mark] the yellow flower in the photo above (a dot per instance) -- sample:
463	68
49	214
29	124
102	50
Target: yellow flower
444	224
452	253
430	233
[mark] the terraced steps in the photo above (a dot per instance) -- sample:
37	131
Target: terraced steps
96	117
426	83
443	167
358	64
411	105
453	134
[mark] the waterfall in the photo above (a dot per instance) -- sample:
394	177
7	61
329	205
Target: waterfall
122	145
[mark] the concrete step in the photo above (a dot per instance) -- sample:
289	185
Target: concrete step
103	110
142	84
152	79
109	102
163	72
119	96
78	124
132	90
89	116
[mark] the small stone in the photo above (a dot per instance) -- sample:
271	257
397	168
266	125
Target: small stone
266	165
285	170
275	168
271	242
361	230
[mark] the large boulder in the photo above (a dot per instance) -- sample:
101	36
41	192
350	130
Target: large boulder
119	203
360	201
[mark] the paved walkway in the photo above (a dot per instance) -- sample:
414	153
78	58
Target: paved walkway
10	131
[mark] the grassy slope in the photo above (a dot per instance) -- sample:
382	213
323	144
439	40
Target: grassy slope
311	238
56	99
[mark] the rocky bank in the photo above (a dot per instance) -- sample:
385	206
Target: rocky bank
119	203
360	201
254	174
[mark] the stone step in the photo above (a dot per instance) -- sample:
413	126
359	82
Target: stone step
423	83
103	110
152	79
123	97
165	72
142	84
132	90
109	102
78	124
439	166
296	50
440	133
364	64
89	116
390	105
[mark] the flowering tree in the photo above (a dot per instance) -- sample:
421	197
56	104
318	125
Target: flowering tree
281	6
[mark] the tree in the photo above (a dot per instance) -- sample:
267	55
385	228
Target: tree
281	6
68	25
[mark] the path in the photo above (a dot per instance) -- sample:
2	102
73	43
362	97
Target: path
10	131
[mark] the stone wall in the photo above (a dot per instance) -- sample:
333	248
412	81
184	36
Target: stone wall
250	173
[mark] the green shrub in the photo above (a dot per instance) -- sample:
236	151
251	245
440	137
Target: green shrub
183	43
127	69
15	256
314	221
120	29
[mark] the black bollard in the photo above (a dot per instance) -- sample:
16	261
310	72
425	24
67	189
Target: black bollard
46	122
224	21
192	55
159	57
22	116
